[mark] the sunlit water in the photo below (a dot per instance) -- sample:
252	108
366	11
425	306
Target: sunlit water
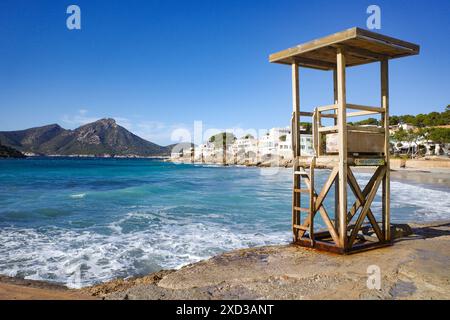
82	221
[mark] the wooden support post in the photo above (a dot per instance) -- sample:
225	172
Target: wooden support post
312	206
336	182
296	197
296	108
386	180
342	138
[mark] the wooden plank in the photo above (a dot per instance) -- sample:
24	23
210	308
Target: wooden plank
327	108
315	134
365	192
342	132
361	113
388	40
301	209
306	114
326	187
296	108
369	162
284	55
301	190
363	53
325	218
312	63
312	201
300	227
320	245
358	142
358	193
329	225
328	129
386	180
366	208
336	181
362	46
318	122
310	114
296	218
365	108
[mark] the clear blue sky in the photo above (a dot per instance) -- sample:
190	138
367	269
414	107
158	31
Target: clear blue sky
159	65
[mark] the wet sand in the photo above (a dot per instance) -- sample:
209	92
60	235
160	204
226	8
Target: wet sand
434	177
21	289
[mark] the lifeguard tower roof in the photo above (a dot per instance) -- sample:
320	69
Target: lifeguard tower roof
361	47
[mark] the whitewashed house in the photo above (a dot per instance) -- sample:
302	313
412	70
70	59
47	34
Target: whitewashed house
270	142
278	141
246	147
204	151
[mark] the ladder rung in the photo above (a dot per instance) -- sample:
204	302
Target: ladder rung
296	226
301	190
301	209
302	173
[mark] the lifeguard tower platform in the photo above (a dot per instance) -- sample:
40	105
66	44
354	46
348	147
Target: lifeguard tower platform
340	146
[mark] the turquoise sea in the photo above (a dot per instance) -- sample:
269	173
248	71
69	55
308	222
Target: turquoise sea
82	221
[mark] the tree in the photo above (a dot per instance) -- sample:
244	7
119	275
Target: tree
409	136
394	120
306	126
218	139
399	135
369	121
439	135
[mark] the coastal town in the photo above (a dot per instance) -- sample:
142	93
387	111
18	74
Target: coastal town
274	148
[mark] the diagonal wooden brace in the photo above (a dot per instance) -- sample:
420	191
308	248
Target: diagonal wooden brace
365	192
359	195
366	206
318	200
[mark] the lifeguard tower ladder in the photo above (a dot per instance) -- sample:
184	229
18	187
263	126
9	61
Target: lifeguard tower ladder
341	146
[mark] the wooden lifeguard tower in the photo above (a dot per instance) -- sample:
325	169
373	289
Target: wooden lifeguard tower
340	146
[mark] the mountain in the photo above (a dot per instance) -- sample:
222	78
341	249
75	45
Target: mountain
8	152
101	137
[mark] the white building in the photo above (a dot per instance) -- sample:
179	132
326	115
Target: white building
306	144
270	143
246	146
204	150
276	142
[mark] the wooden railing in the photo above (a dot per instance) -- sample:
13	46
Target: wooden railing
321	112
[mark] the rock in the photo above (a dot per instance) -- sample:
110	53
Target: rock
400	231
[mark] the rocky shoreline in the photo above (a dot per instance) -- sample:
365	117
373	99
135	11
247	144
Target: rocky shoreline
415	267
275	161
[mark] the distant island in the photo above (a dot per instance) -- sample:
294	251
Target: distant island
102	138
